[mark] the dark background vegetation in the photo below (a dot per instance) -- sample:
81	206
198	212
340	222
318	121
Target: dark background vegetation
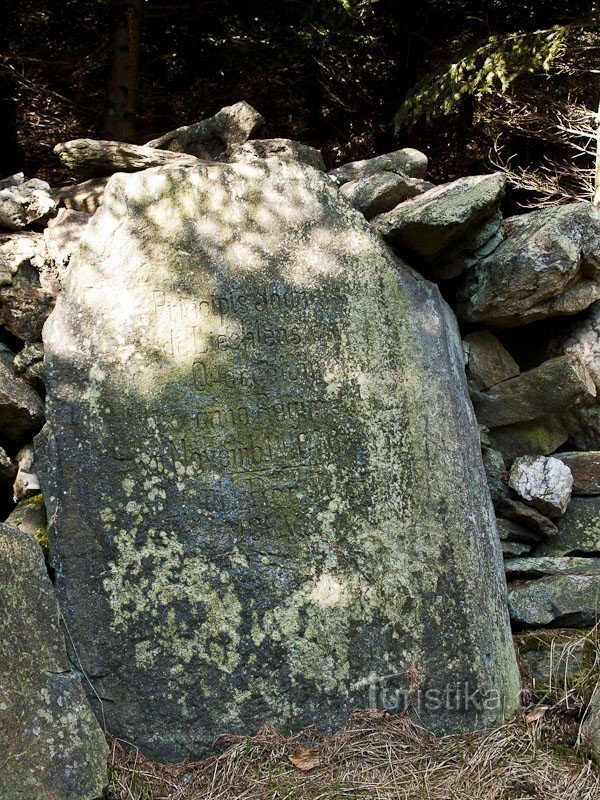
328	73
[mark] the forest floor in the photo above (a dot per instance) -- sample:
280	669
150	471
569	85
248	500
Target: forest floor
383	757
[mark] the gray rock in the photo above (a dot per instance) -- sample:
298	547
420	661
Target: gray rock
513	510
542	481
581	337
488	361
555	385
429	226
93	158
590	729
409	161
512	550
583	427
380	192
548	266
578	530
509	531
538	437
537	567
283	492
86	196
8	468
585	468
29	364
24	302
209	138
63	233
495	470
278	148
13	180
29	516
25	203
27	482
51	744
558	600
21	409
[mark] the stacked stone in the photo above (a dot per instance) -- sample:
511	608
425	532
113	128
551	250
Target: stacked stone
537	407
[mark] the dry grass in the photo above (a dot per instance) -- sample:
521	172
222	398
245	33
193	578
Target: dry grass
377	756
539	755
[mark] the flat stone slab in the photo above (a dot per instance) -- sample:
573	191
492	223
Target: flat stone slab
585	468
538	567
52	746
558	600
283	506
578	530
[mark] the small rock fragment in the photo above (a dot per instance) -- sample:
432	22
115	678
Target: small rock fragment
489	362
25	203
27	482
375	194
408	160
21	408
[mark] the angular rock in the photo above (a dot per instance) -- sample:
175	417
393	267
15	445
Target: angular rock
542	481
409	161
8	468
590	729
25	203
537	567
51	744
13	180
515	511
489	362
86	196
558	600
538	437
583	427
279	148
282	467
29	516
92	157
585	468
548	266
27	482
557	384
512	550
24	302
495	470
578	530
428	226
21	409
582	338
380	192
63	233
509	531
29	364
209	138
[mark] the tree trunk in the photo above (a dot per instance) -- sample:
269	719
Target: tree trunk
121	87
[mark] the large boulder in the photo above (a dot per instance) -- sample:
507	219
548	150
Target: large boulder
209	138
262	468
578	530
430	226
52	746
548	266
24	203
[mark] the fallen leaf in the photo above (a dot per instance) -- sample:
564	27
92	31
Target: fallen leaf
536	714
305	759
